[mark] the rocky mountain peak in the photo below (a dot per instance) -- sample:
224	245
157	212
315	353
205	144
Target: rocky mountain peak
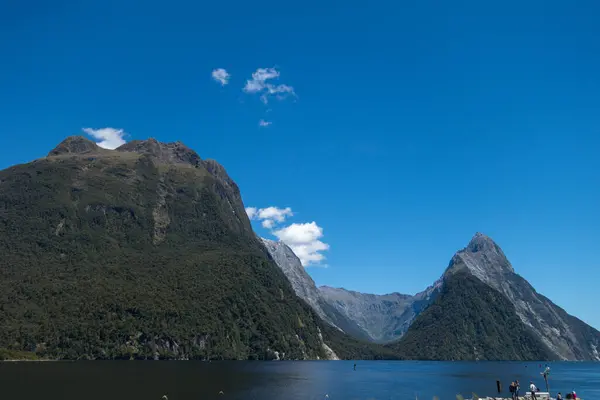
481	242
75	145
483	258
169	153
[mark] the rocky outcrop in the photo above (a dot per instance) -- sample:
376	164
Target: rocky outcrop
75	145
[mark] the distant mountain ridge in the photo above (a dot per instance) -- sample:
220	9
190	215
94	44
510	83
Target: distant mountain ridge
376	318
383	318
425	326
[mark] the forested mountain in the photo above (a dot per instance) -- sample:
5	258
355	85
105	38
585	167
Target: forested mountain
140	252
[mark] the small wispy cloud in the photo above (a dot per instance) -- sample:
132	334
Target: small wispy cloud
259	84
274	213
303	238
269	216
259	78
264	123
221	75
107	138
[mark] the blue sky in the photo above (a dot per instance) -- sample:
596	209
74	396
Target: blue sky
409	125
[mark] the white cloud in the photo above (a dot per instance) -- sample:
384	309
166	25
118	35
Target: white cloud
269	215
251	211
221	75
109	138
304	240
264	123
259	84
300	233
259	78
275	213
268	223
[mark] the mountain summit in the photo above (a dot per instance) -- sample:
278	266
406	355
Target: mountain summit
483	258
75	145
165	153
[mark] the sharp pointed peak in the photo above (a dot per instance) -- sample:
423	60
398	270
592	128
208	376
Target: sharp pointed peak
480	241
483	257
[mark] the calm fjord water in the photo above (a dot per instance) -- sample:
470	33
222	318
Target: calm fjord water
306	380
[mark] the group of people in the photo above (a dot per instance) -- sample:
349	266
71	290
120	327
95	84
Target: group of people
515	387
570	396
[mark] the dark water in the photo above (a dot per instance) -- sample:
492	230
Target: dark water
128	380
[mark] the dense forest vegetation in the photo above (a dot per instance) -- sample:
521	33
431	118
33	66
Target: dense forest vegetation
113	255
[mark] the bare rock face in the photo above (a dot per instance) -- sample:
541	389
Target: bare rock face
302	283
483	258
75	145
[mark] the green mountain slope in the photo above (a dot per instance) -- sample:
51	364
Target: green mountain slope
470	321
140	252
